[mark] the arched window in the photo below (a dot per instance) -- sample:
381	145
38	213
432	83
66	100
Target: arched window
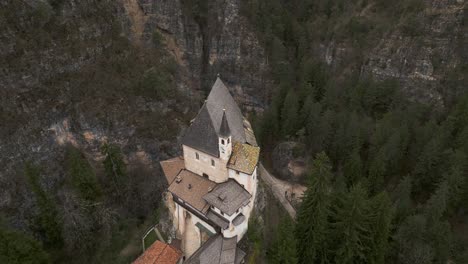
197	156
228	140
222	141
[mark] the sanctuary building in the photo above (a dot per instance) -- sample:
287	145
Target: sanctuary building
212	187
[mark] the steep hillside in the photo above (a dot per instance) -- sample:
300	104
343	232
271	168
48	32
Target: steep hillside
76	74
419	43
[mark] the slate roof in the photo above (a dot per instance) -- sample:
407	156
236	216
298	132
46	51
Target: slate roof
159	253
192	188
172	167
218	250
217	219
203	132
228	196
249	134
244	158
224	130
238	220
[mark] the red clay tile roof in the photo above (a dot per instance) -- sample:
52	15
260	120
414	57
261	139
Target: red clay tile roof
159	253
172	167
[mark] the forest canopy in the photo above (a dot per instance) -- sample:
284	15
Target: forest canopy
385	170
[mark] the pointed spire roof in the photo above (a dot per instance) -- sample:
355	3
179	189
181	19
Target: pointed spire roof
220	98
219	107
201	134
224	130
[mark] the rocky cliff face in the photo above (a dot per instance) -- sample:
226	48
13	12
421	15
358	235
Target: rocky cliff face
425	53
210	38
76	72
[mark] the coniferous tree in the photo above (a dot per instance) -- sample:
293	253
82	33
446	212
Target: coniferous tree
115	167
284	249
438	229
377	172
313	228
289	114
18	248
426	169
352	227
272	118
325	130
381	212
440	236
306	109
437	205
411	241
456	178
48	217
461	141
82	175
402	198
313	128
353	169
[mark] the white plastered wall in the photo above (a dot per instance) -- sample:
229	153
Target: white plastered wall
217	173
185	225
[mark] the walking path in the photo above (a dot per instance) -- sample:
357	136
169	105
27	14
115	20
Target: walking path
279	189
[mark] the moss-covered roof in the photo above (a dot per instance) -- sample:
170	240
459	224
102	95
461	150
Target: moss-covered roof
244	158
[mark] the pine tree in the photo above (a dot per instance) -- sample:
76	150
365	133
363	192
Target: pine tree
353	169
436	206
377	172
411	241
289	114
380	226
402	198
284	248
456	178
18	248
352	227
426	169
312	228
325	131
461	141
115	167
272	118
440	236
48	218
307	108
312	126
82	175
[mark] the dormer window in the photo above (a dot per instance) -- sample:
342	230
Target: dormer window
222	141
197	156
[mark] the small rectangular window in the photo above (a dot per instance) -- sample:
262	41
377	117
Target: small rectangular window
212	163
237	172
197	156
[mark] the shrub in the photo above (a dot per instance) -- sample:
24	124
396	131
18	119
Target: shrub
83	178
